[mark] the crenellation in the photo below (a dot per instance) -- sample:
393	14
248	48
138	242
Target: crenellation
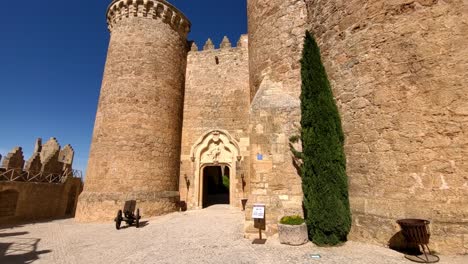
14	159
151	9
225	44
45	159
194	47
397	70
40	193
136	139
34	164
209	45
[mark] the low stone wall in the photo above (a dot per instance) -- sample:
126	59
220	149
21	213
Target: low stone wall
27	201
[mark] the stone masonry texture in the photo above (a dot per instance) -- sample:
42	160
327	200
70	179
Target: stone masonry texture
216	97
399	71
34	190
276	30
135	152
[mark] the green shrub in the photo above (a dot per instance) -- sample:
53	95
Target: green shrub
292	220
226	182
324	180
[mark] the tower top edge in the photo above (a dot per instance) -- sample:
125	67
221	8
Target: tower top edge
153	9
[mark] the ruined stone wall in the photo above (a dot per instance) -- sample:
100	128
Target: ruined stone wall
276	31
135	151
399	71
26	201
216	98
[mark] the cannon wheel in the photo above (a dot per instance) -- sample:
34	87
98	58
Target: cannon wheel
138	218
118	219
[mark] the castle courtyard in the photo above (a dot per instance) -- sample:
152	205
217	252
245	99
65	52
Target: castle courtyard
212	235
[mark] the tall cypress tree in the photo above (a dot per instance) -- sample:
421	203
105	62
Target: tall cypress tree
324	179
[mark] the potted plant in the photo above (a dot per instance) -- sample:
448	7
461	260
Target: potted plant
292	230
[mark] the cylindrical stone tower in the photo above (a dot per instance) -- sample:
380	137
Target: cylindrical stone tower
135	151
276	32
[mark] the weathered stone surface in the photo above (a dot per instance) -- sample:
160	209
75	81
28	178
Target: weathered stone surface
14	159
294	235
225	44
66	157
52	165
67	154
38	145
276	30
398	72
37	201
209	45
49	149
135	149
34	164
216	106
194	47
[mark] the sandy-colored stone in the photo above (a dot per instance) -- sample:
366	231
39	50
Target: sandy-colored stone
294	235
216	106
398	72
40	201
135	152
14	159
189	237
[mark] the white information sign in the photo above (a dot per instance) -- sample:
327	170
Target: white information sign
258	211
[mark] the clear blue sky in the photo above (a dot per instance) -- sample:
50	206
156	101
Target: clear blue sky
52	59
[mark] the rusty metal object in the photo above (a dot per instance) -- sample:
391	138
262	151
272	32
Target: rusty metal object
417	231
128	215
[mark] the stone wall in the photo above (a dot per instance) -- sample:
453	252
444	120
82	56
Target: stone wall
276	31
399	71
135	151
26	201
14	159
216	98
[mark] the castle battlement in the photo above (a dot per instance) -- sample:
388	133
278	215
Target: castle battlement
155	9
225	44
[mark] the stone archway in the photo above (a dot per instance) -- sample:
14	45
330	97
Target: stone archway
215	148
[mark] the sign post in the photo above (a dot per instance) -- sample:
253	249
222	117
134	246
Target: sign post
258	215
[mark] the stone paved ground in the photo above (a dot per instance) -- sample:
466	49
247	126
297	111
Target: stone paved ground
213	235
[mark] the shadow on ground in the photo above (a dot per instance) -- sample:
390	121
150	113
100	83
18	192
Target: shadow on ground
142	224
398	243
23	250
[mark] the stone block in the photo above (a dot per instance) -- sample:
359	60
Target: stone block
14	159
49	149
34	165
294	235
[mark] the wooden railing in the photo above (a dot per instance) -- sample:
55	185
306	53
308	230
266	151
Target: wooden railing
18	175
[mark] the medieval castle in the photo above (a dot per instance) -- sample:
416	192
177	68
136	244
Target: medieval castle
181	125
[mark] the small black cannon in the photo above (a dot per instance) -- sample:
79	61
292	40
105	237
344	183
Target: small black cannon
129	215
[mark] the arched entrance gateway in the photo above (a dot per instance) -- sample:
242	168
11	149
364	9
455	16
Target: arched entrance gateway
215	157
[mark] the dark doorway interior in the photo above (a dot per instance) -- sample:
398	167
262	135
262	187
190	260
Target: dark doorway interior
215	185
71	202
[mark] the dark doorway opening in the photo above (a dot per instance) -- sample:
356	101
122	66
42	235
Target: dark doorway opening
215	185
71	202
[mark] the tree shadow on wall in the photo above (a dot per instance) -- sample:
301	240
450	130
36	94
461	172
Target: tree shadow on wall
21	250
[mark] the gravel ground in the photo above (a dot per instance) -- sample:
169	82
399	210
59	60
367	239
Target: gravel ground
213	235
